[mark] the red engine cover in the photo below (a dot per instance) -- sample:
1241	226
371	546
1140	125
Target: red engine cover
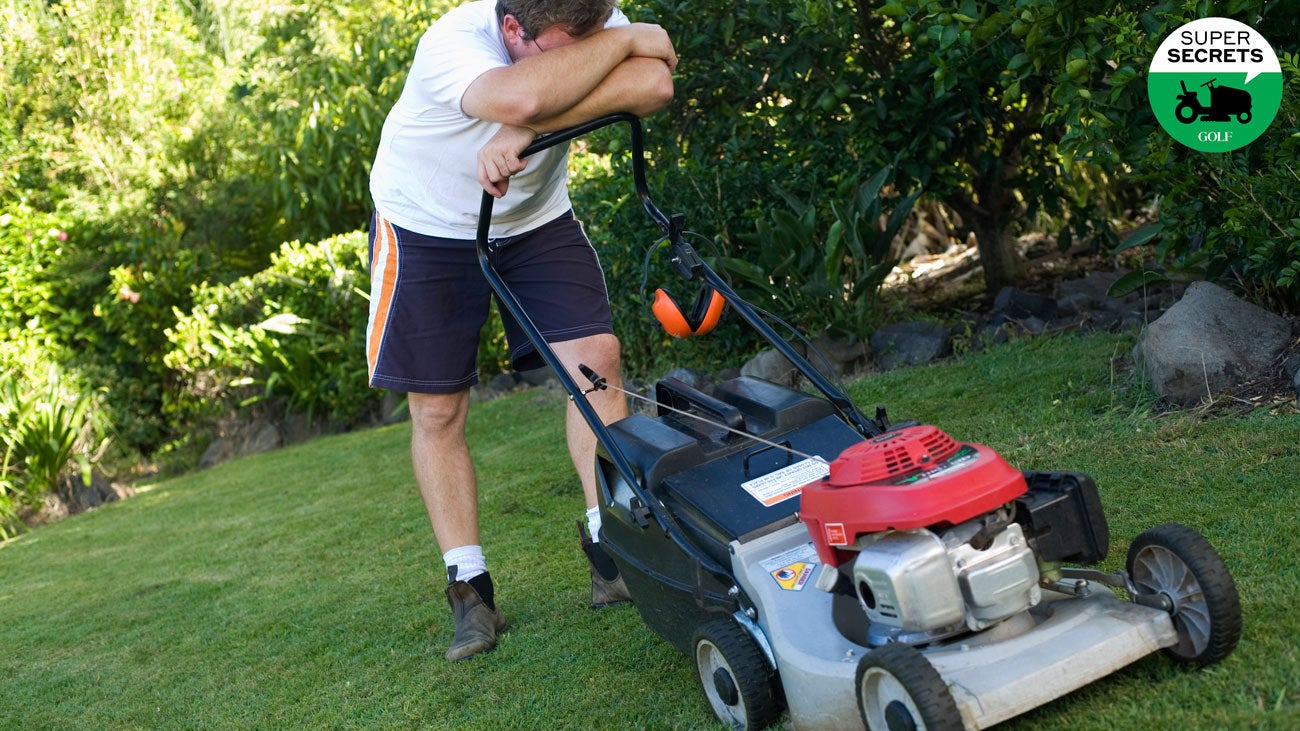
911	478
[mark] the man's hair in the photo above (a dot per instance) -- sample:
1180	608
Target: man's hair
576	17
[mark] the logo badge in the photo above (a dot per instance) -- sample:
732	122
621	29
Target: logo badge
1215	84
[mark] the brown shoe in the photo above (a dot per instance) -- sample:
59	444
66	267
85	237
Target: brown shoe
477	625
607	585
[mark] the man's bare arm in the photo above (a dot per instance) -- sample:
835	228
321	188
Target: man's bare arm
647	81
549	84
638	85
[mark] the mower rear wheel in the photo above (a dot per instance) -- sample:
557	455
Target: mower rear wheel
1177	562
899	690
737	680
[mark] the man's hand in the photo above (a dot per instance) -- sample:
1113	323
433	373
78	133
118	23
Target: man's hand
651	41
499	158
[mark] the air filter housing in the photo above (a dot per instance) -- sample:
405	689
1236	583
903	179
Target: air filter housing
915	477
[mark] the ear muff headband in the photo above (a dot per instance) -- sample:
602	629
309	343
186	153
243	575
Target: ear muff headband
704	315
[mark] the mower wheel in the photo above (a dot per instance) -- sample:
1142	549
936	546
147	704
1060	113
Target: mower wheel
737	680
1177	562
899	690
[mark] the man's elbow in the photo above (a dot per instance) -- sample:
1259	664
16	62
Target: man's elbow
522	110
662	93
656	94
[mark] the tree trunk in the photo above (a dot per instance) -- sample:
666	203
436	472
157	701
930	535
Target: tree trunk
988	216
1002	264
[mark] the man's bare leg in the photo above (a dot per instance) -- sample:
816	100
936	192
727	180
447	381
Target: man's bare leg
443	469
445	475
601	354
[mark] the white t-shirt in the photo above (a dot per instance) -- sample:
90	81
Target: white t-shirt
425	176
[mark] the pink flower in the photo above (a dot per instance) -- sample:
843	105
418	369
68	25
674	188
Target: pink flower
128	294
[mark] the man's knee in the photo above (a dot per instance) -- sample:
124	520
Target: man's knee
438	414
600	353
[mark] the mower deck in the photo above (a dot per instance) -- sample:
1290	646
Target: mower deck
993	676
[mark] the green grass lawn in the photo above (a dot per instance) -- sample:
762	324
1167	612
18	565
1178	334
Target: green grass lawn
303	589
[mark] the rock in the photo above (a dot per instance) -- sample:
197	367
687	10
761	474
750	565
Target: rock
909	343
1295	384
1074	304
1089	291
726	374
253	437
75	496
771	366
503	383
1018	304
846	355
1291	366
220	450
1208	341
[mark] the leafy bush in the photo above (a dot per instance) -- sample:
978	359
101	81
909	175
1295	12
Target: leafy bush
769	100
291	337
831	289
316	93
43	428
1233	215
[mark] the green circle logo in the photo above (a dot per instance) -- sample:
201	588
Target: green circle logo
1215	84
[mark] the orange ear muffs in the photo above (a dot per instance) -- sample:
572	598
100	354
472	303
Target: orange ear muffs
704	315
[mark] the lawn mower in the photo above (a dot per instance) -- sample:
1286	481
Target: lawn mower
854	572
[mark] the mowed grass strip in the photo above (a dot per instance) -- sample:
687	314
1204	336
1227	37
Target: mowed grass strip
302	588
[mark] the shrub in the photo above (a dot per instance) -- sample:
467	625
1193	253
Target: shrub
1233	216
831	289
44	428
291	337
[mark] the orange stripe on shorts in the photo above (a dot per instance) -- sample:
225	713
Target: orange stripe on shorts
382	289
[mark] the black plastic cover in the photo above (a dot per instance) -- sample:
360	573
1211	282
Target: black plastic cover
1062	514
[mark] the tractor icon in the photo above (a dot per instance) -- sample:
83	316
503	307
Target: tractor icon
1225	102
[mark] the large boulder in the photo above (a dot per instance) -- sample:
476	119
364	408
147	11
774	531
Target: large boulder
1207	342
910	343
241	440
770	365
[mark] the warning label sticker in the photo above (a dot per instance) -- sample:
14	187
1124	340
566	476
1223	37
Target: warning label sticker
787	482
792	569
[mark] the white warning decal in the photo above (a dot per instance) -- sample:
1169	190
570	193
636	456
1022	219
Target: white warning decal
787	482
792	569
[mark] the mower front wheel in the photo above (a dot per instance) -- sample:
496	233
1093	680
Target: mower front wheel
899	690
1176	562
737	680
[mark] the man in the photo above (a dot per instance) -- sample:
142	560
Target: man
486	80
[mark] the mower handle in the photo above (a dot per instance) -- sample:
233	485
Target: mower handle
570	133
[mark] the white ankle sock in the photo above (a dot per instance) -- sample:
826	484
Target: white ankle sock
468	560
593	523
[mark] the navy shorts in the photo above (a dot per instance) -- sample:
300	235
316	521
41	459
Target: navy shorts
429	299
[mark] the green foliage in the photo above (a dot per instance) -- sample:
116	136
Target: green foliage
830	289
154	150
315	92
172	144
292	336
31	245
769	100
1221	216
974	110
42	430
